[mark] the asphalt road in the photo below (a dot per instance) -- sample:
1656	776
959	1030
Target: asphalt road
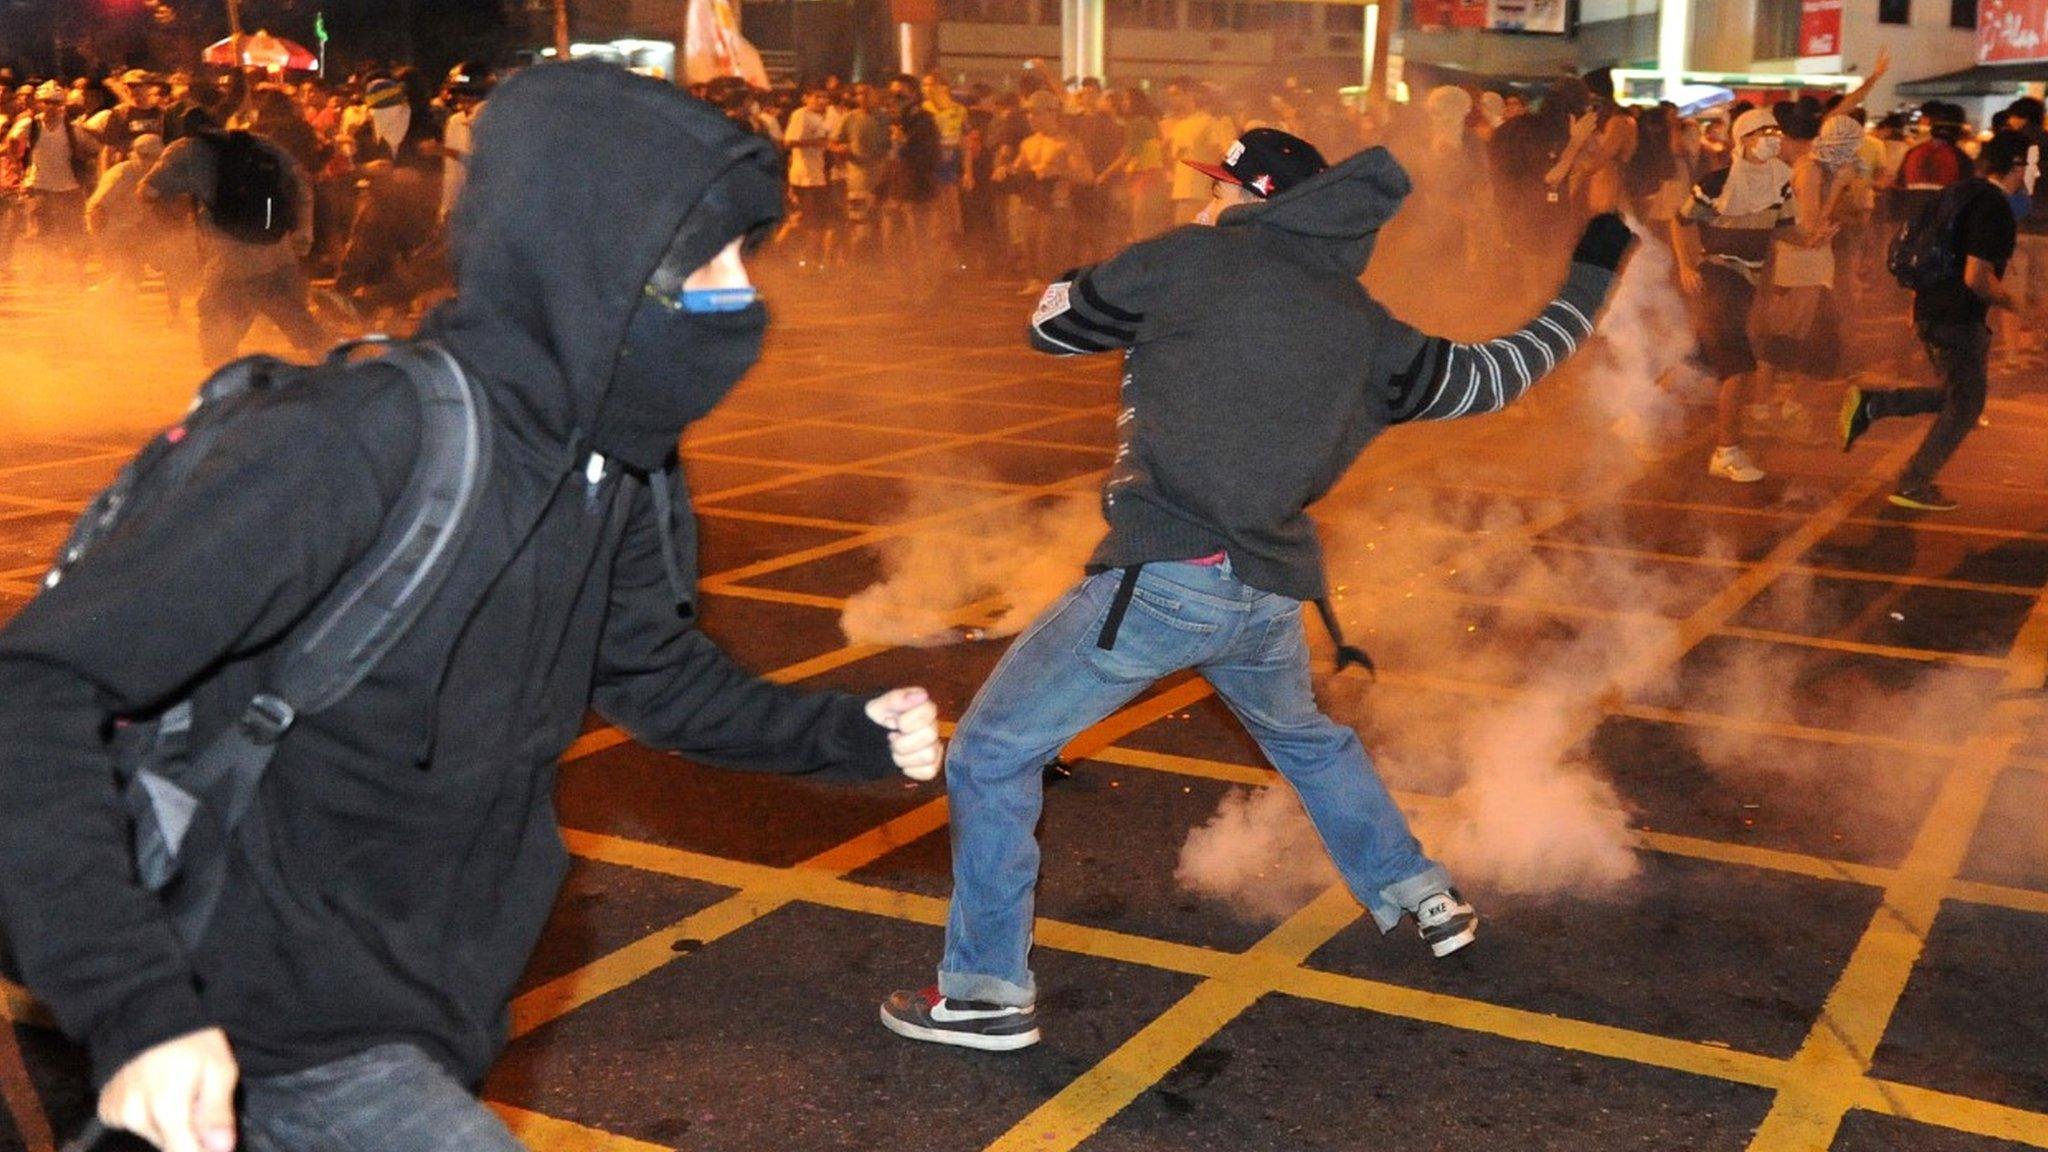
1821	918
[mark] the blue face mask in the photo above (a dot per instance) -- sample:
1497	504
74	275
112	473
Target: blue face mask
705	301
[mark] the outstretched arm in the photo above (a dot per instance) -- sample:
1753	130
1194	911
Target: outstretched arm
1099	308
1439	379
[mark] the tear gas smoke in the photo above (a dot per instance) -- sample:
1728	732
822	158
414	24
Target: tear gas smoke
1258	854
1023	556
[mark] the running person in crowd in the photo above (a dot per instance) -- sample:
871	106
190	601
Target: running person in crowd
1951	318
1722	241
1256	370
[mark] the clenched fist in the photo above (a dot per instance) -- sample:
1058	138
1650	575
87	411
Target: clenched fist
913	723
179	1095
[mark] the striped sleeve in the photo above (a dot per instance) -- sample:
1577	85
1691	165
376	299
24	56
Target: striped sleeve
1074	318
1443	379
1102	307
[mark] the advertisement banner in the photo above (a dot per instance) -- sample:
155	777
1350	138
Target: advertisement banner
1552	17
1438	15
2012	31
1820	27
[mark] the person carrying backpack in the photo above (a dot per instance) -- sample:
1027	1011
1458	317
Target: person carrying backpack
255	209
1954	259
398	855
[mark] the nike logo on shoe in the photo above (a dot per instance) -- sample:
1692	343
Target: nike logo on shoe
943	1012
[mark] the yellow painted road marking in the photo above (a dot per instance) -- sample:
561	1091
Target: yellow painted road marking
548	1134
1962	1113
1088	1102
1836	1056
1696	1058
763	890
1860	648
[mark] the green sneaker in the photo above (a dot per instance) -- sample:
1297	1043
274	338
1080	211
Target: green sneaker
1855	417
1924	498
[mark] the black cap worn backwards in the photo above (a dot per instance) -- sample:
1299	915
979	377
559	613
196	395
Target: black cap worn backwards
1265	160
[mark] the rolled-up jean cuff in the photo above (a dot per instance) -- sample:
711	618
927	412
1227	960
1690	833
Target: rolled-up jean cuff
987	989
1401	897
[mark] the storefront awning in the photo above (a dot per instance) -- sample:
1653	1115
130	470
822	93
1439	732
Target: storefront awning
1983	80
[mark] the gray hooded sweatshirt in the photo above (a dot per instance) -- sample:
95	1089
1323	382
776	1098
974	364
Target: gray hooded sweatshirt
1256	368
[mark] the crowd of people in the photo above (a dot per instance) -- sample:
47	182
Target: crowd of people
1780	216
511	481
237	190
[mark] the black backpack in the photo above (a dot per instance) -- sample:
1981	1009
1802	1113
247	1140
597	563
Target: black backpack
253	199
184	802
1926	254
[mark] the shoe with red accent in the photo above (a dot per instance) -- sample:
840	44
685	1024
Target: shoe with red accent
926	1015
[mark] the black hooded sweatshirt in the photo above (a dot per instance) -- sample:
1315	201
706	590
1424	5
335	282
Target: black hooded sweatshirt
1257	368
403	853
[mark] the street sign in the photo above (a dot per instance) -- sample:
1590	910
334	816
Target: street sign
1820	27
2012	31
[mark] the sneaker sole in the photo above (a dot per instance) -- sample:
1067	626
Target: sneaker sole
1735	479
1450	944
1920	506
976	1040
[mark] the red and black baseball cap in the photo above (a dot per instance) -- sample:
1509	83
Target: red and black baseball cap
1266	161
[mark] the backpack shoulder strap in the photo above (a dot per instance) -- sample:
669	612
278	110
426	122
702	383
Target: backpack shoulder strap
355	626
386	592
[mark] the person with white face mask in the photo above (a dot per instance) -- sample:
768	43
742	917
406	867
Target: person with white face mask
1798	328
1723	240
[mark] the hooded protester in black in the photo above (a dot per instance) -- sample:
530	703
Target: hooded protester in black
1257	368
403	853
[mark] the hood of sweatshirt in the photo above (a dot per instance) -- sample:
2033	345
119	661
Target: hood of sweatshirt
582	176
1341	208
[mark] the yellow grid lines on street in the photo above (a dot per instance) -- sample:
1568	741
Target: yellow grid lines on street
762	891
548	1134
1837	1054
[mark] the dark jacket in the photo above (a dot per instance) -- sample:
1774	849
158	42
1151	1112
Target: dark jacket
1257	368
404	853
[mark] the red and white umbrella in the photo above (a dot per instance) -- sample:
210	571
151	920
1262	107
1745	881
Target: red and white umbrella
262	50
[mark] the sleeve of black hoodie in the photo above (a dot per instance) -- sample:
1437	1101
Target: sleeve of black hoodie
664	681
1431	378
1102	307
268	522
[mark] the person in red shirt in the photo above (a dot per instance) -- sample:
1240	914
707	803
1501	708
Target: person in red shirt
1936	162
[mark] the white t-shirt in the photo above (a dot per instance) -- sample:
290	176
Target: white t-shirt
807	161
49	166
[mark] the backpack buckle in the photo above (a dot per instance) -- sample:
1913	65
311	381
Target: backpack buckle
267	718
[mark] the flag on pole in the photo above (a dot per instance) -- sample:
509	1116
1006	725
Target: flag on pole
320	27
714	47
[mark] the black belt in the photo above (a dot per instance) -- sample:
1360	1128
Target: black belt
1120	604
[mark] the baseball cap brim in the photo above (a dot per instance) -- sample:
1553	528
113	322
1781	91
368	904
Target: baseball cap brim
1215	172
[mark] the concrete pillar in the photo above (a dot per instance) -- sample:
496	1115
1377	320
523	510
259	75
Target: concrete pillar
1723	37
917	46
1674	37
1081	38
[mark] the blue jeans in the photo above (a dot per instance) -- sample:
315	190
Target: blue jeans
391	1098
1055	681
